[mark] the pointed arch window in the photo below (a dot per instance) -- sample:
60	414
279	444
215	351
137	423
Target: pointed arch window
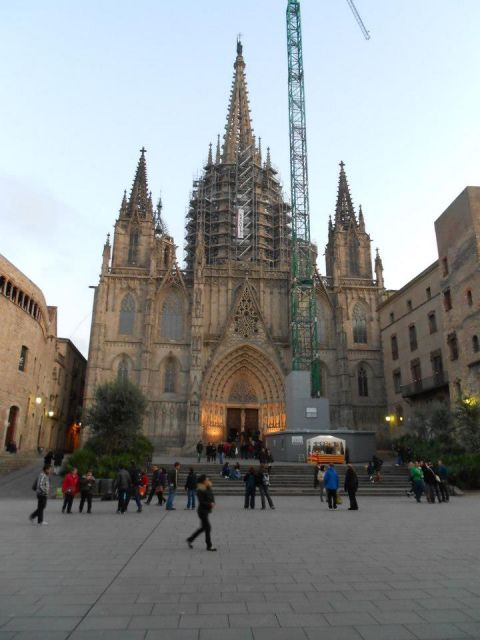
127	315
359	325
170	376
122	372
362	378
353	255
133	247
172	317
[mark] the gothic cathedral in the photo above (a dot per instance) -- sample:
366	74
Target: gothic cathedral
209	345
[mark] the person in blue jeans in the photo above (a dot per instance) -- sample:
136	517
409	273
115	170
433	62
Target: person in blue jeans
191	488
331	482
172	486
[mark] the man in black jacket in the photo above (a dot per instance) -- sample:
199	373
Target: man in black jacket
123	484
351	486
155	485
206	502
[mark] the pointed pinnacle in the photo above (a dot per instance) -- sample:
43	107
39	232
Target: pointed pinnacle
217	153
210	158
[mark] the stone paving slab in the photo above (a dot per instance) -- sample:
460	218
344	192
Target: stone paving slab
297	573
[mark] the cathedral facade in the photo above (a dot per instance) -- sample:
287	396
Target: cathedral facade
209	344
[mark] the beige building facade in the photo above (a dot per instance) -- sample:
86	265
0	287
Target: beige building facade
430	328
209	345
458	241
411	325
35	404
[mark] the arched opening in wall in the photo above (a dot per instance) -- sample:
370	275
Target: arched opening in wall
72	438
123	370
127	315
353	255
170	376
133	247
242	398
10	436
172	321
359	323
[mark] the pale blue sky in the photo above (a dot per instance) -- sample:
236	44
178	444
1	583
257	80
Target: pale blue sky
85	85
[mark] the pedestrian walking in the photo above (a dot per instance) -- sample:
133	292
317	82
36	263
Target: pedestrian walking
47	460
206	502
199	450
57	461
442	473
220	452
431	483
250	481
191	488
41	486
263	483
70	487
136	478
416	476
87	489
123	485
154	484
318	476
331	482
172	487
351	487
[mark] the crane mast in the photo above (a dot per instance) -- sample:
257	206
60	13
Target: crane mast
303	301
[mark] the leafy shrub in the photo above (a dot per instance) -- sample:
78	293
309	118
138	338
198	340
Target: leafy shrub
106	465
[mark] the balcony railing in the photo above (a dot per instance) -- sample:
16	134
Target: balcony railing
425	385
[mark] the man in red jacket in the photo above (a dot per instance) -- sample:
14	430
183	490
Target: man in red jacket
70	486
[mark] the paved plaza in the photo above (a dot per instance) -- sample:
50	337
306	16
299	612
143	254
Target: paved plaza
394	570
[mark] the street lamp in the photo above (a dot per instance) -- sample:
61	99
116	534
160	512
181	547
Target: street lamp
51	414
38	400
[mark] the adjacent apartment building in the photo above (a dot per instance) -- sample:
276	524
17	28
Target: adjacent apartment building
430	327
42	376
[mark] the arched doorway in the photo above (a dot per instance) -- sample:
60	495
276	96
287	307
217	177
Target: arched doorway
10	436
243	397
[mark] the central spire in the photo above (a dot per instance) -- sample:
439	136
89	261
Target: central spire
140	202
238	130
344	211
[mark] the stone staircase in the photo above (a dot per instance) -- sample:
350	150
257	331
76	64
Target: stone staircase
297	479
12	462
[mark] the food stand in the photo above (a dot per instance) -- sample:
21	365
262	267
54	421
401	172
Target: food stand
324	449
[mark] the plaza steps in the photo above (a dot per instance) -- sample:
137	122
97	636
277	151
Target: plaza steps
297	479
12	462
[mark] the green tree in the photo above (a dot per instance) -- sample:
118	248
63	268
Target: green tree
467	423
115	418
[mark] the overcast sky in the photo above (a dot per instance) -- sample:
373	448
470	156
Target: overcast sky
84	85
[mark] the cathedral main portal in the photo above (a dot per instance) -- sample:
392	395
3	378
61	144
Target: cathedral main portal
242	423
243	397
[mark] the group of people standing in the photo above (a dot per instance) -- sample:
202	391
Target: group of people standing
429	479
328	480
72	485
246	449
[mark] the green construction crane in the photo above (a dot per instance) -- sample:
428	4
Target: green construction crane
303	301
